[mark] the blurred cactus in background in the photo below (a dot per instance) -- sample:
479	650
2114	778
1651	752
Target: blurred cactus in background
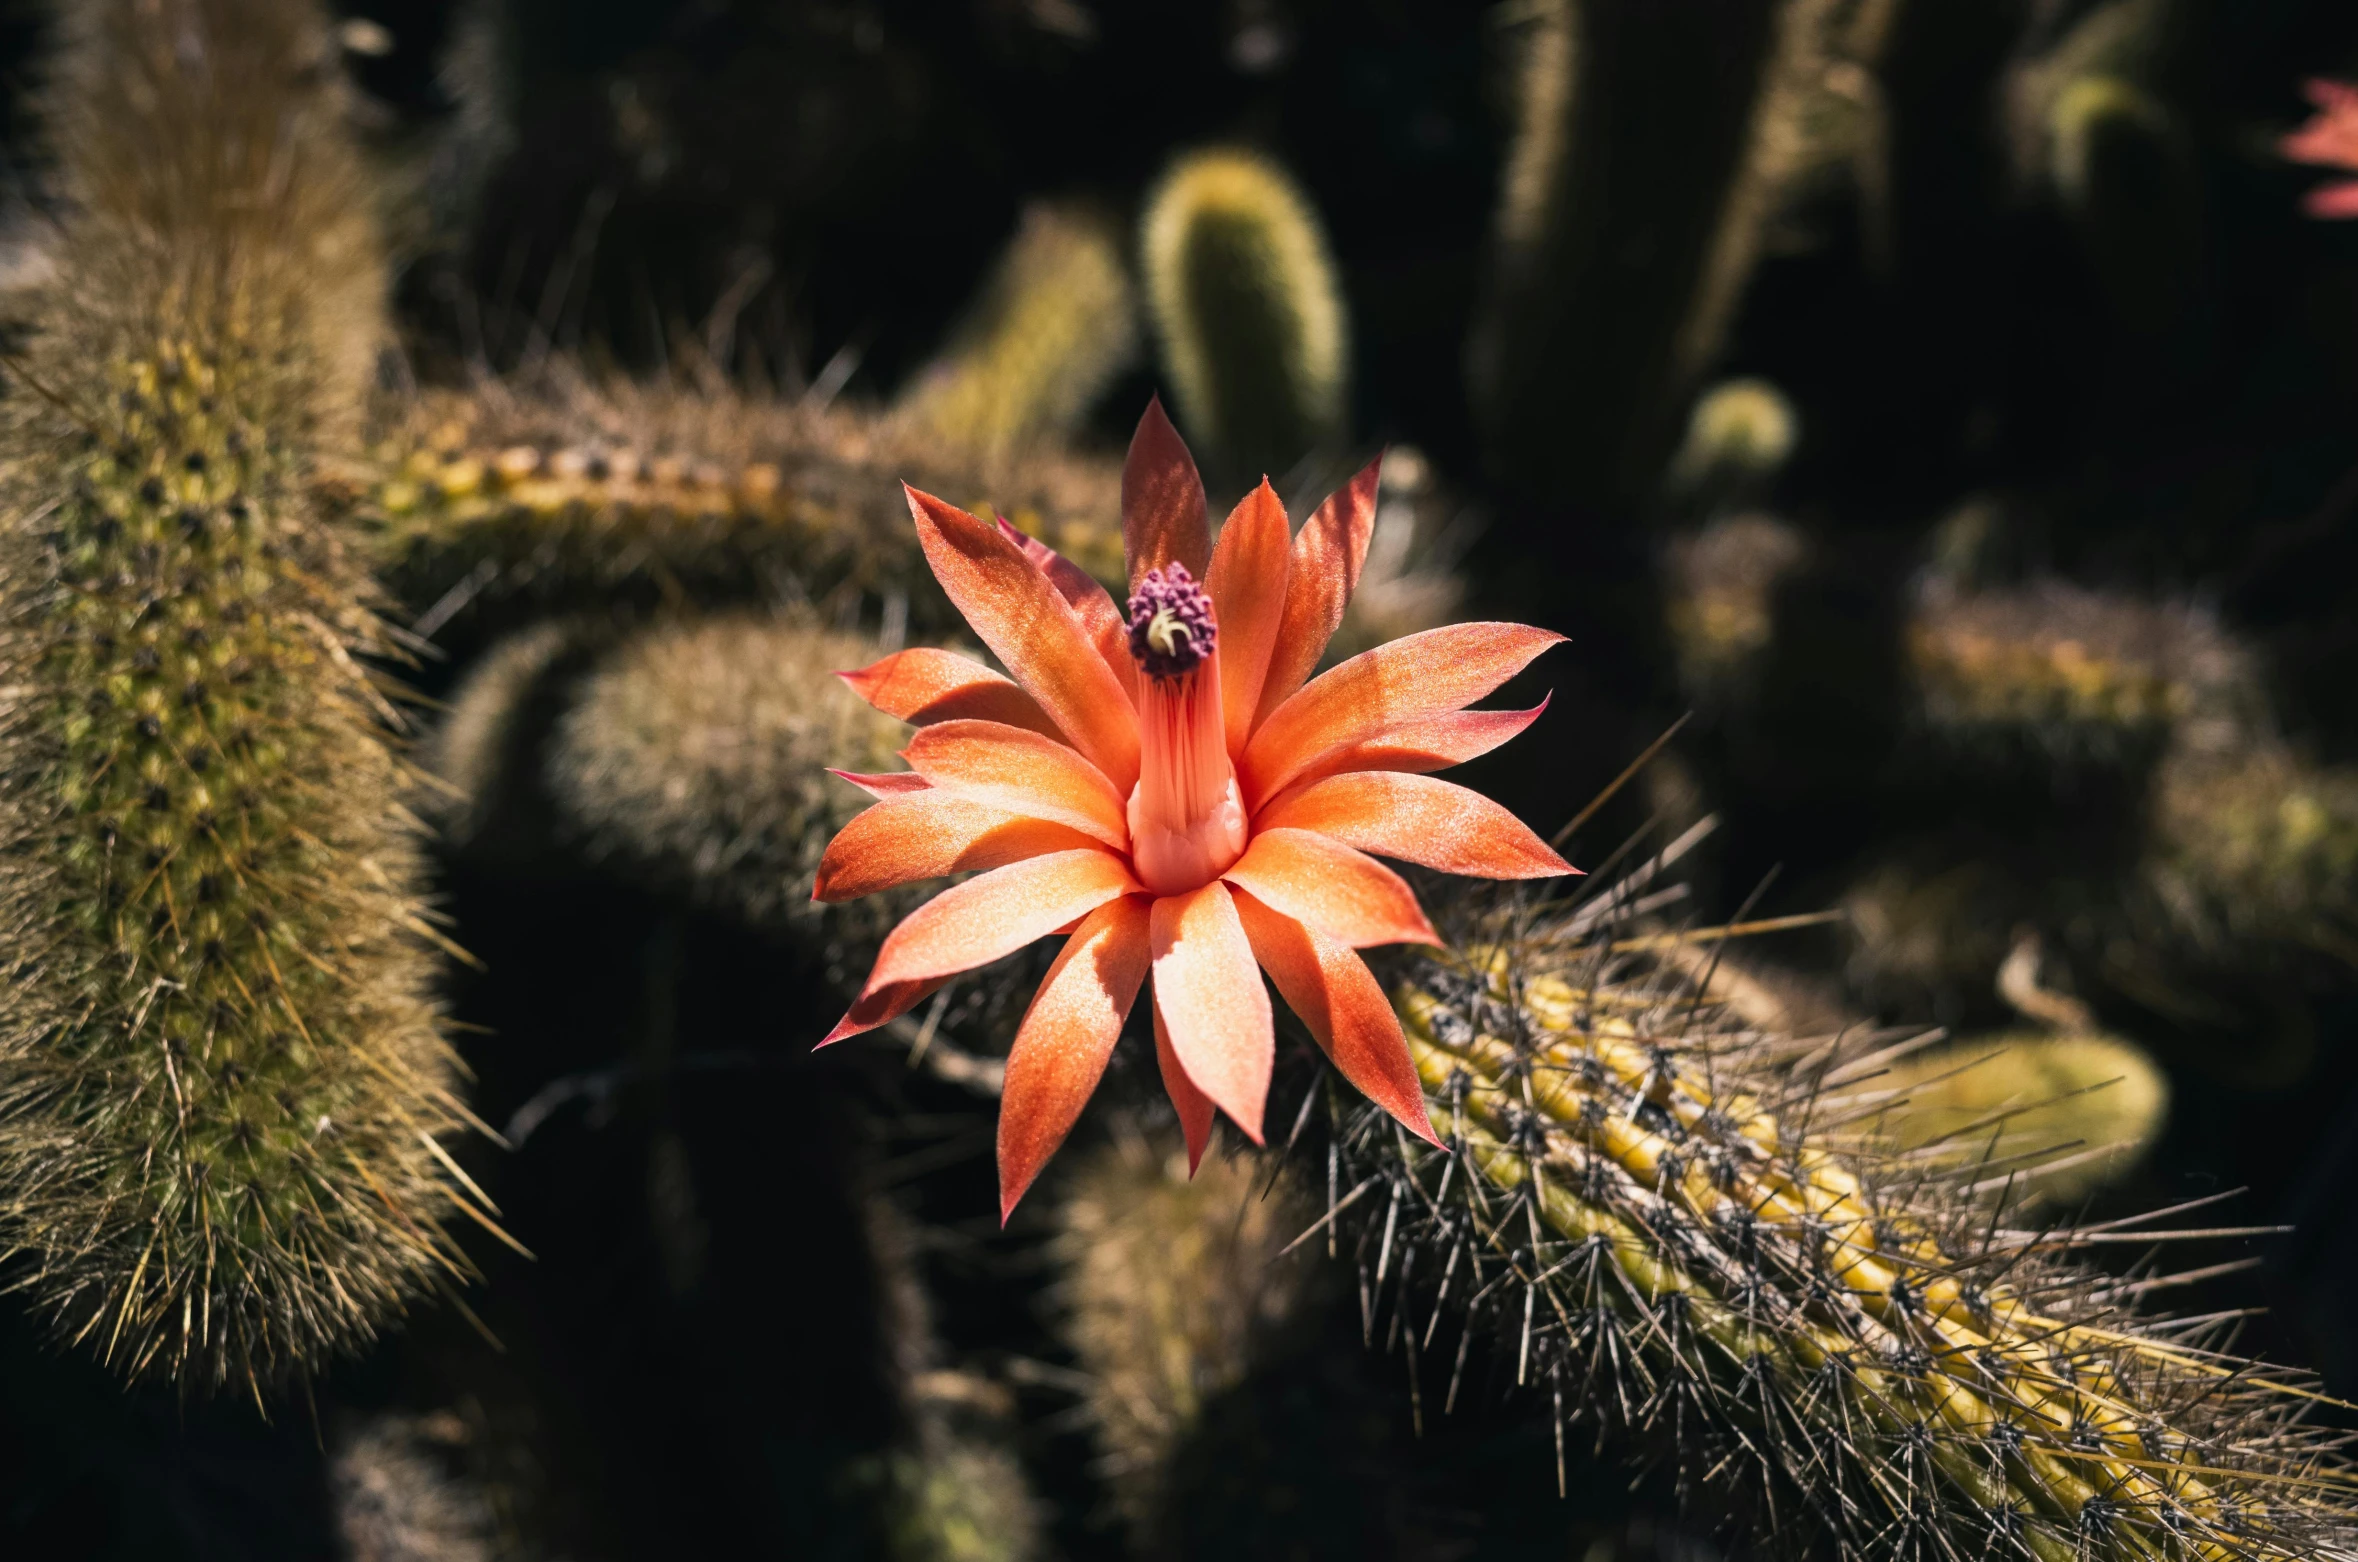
1249	314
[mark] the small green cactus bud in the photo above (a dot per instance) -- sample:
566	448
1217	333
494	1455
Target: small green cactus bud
1248	312
1055	324
226	1091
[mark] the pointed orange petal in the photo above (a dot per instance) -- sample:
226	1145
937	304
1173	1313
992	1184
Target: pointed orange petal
1424	674
896	783
1337	997
1097	610
927	834
1195	1108
976	922
1420	819
923	685
1327	558
881	1007
1422	743
1342	892
1207	988
1067	1034
1247	584
1024	773
1033	630
1162	501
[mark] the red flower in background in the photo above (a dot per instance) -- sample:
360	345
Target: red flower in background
2329	140
1169	787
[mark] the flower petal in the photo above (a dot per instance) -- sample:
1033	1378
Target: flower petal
1066	1036
1423	743
1208	990
923	685
1162	500
1347	1013
1194	1107
881	1007
1420	819
1337	890
1033	630
1097	610
1423	674
2335	199
1327	557
997	913
927	834
1247	585
894	783
1006	767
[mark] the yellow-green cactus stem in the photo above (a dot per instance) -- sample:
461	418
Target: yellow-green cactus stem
224	1093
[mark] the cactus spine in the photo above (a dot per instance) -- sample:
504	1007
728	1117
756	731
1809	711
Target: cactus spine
223	1090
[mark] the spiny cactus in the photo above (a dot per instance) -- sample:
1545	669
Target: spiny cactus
567	497
1053	327
1248	311
398	1499
2081	674
223	1089
1170	1284
2094	1102
1659	1224
698	753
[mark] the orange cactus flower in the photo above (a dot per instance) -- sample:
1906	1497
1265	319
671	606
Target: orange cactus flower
1171	789
2329	140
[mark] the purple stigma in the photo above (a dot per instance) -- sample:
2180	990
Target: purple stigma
1171	627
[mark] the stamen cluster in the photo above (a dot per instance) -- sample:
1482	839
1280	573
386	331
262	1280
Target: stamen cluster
1171	626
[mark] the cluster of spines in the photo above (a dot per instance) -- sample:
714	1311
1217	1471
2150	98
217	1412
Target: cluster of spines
1662	1223
223	1088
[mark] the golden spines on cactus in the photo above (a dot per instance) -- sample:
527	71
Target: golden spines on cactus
1660	1223
564	496
223	1089
1055	324
1248	311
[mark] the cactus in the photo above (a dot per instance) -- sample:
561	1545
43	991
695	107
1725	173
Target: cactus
398	1500
503	504
1660	1225
1616	259
225	1088
698	755
2080	674
1170	1285
1720	598
1248	312
2095	1102
1053	327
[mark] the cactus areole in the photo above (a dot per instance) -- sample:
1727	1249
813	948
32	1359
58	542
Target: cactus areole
1172	790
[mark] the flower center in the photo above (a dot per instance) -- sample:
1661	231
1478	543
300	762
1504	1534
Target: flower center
1187	818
